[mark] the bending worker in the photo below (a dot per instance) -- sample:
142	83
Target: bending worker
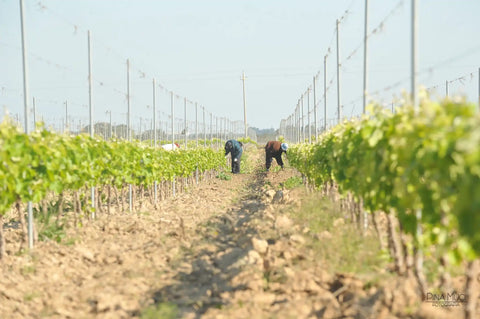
235	148
274	149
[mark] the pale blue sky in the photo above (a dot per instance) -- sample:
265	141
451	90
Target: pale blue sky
199	49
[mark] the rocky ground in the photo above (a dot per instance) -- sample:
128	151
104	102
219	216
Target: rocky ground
222	249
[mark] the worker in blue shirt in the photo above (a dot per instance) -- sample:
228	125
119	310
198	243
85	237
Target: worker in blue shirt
235	148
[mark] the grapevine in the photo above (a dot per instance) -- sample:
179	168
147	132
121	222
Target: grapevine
41	162
427	159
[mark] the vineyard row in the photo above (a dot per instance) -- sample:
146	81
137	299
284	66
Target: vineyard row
402	163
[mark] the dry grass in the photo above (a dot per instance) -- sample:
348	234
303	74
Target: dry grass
338	243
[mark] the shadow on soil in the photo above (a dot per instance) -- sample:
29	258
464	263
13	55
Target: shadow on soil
226	240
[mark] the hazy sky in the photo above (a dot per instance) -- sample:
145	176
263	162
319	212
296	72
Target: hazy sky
198	50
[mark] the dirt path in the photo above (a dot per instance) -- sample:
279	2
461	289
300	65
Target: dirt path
117	261
222	249
121	263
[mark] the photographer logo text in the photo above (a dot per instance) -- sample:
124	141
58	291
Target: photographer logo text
453	299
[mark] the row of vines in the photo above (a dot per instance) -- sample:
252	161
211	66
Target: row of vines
36	165
414	160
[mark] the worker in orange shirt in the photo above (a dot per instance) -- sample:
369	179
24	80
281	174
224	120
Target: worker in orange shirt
274	149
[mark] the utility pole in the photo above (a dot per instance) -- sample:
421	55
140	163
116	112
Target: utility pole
308	117
196	123
297	120
302	122
34	114
325	94
365	79
211	127
418	211
185	120
90	105
244	106
216	130
172	111
413	72
92	128
111	130
129	134
25	102
365	60
339	106
66	116
204	129
154	101
315	107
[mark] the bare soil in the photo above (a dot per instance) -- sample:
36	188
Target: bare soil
222	249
